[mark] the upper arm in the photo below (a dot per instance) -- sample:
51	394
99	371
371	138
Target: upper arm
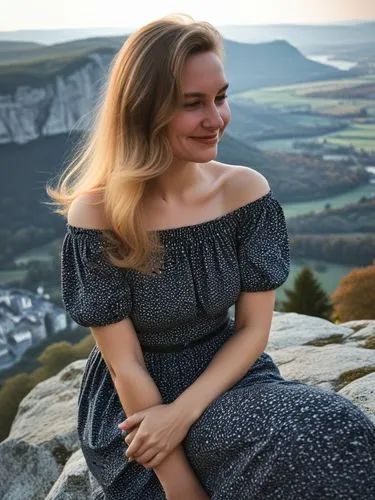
119	346
255	310
87	211
252	309
118	342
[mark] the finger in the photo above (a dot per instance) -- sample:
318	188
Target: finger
133	420
156	460
145	448
134	446
129	437
146	457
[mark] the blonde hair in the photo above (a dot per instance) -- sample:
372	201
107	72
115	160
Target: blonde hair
127	145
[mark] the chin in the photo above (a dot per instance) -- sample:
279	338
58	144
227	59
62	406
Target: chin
203	157
198	156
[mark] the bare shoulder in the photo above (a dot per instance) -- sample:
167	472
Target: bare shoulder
246	183
87	211
243	185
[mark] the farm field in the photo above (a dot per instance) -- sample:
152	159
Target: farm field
297	95
358	135
360	131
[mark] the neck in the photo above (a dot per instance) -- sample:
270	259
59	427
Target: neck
179	182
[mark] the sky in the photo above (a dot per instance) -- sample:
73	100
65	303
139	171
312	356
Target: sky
47	14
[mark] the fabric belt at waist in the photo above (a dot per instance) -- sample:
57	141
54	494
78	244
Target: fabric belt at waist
188	345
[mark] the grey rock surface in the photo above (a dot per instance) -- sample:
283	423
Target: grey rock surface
41	458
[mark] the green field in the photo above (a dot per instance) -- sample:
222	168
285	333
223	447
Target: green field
295	95
359	134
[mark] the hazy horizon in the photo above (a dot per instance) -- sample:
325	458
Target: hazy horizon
80	14
333	23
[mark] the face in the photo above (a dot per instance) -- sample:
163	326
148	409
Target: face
200	120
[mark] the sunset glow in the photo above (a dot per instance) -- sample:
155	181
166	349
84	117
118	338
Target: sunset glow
23	14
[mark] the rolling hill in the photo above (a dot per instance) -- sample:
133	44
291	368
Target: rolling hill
247	65
27	168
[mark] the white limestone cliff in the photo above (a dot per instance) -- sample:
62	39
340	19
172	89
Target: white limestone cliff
58	104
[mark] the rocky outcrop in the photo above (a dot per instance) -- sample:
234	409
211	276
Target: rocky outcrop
56	105
42	438
41	458
74	482
318	352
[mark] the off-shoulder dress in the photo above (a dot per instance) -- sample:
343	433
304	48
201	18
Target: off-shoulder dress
266	437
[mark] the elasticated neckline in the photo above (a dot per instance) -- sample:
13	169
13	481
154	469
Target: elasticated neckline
199	229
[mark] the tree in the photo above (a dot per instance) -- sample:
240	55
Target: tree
354	298
307	296
11	394
56	356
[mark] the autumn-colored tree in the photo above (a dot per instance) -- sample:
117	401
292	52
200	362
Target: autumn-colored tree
354	298
307	296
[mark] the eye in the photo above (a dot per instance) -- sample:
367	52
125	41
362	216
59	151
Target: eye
191	104
221	98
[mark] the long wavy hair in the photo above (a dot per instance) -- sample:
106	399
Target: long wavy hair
127	144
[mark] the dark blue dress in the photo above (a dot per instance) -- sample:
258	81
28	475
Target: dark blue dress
266	437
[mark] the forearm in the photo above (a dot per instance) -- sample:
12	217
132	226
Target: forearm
137	391
227	367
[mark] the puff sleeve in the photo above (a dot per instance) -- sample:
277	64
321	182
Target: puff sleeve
94	292
263	248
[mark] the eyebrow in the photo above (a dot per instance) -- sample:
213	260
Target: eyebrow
201	94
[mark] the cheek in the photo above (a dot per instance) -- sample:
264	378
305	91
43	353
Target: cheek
183	124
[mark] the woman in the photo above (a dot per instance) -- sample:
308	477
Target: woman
161	241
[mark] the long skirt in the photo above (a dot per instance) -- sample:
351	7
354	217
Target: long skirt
266	438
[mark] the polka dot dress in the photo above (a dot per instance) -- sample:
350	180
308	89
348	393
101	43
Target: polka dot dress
265	438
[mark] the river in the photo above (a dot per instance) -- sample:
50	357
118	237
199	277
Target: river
331	61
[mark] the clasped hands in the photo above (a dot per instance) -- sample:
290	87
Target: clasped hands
154	433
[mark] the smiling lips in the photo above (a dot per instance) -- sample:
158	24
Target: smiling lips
206	139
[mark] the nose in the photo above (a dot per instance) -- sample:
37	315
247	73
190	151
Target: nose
213	118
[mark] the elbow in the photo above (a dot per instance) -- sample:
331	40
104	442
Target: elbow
255	336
